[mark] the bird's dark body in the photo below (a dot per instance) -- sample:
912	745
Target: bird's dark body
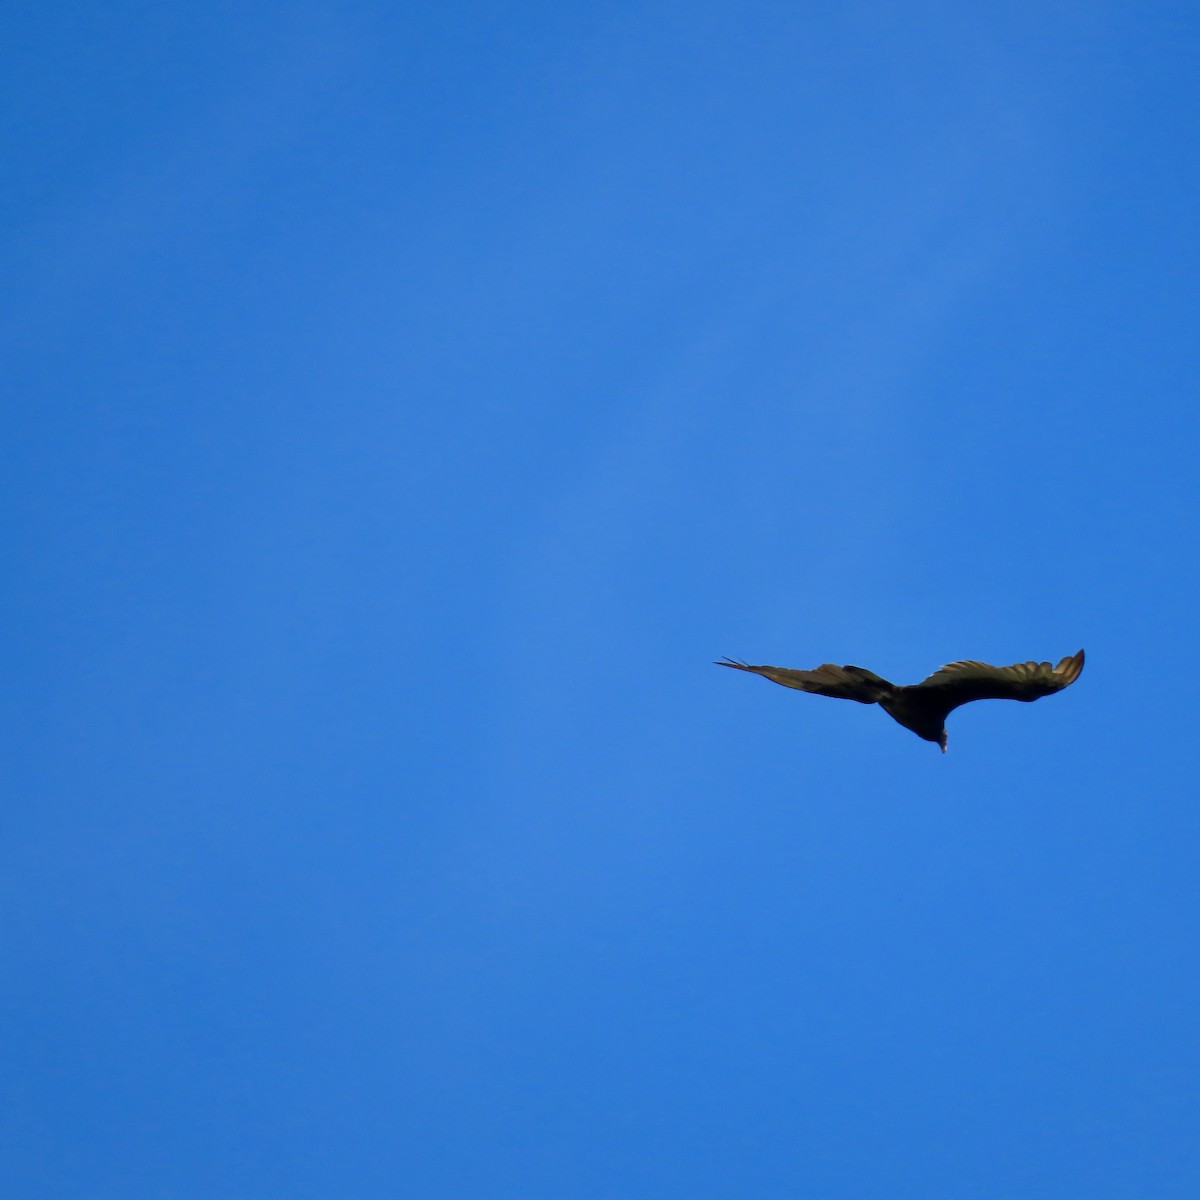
923	707
905	705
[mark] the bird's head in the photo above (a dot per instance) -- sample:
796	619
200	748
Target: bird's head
943	738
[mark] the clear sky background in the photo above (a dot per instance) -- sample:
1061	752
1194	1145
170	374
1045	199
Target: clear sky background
405	405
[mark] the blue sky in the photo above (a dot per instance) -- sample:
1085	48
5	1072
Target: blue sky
406	406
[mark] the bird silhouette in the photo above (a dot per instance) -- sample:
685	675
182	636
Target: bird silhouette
923	707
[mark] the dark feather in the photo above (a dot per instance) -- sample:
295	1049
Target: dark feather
923	707
962	682
843	683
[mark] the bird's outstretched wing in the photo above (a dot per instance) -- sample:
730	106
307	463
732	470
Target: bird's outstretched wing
961	682
844	683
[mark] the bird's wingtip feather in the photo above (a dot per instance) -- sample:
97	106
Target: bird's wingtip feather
736	663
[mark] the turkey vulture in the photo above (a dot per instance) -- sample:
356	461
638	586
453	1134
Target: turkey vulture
923	707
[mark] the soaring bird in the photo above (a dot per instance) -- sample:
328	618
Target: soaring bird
923	707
